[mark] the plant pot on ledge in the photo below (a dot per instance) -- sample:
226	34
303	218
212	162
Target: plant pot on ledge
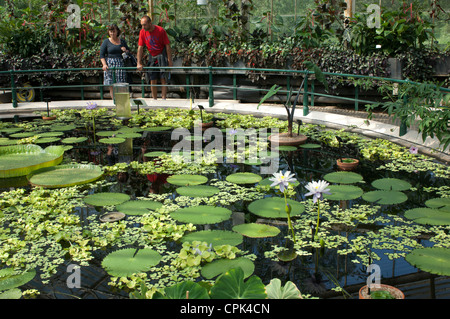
384	292
283	139
347	164
48	118
205	126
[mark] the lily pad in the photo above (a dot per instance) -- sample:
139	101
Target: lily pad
154	154
74	140
441	203
129	135
343	177
255	230
51	134
23	134
106	199
106	133
187	180
429	216
201	214
112	140
310	146
63	128
214	237
218	267
343	192
385	197
7	141
244	178
274	207
45	140
435	260
21	160
138	207
198	191
393	184
125	262
65	175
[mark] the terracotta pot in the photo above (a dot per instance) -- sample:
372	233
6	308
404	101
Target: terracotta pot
284	139
205	126
397	293
49	118
344	166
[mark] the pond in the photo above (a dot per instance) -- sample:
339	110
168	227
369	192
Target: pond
120	201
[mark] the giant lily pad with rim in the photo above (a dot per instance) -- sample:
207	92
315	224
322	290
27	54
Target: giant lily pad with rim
65	175
21	160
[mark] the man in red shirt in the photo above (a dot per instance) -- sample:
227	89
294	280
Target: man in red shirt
155	39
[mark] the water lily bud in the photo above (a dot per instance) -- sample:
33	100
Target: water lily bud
288	209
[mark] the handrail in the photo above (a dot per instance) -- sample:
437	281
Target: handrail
211	71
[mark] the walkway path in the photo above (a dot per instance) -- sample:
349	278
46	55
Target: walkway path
379	127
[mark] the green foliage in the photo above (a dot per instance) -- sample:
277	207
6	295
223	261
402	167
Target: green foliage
193	254
381	294
425	101
231	285
398	29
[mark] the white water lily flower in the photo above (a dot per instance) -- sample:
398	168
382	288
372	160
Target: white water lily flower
282	179
317	189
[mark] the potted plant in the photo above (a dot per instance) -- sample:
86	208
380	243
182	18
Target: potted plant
204	125
345	163
48	116
381	292
291	138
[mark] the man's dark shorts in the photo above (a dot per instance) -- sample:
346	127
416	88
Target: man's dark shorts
154	74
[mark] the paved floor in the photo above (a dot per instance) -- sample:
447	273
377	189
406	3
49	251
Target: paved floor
334	117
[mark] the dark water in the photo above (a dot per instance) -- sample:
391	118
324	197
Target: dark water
313	274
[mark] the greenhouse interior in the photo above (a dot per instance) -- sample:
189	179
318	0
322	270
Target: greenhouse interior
220	150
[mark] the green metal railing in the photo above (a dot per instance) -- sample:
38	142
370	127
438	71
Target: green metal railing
307	92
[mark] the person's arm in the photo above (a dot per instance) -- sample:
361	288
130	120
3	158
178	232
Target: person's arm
103	52
140	53
169	55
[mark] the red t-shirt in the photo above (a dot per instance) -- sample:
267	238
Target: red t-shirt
155	41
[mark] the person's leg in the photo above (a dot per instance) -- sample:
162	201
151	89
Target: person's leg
154	88
111	92
163	88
